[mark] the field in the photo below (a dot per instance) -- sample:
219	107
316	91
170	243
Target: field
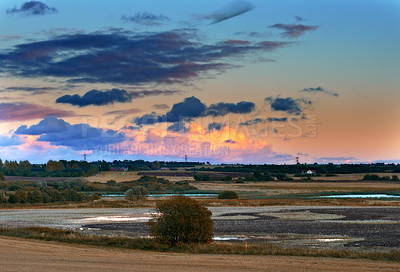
289	215
27	255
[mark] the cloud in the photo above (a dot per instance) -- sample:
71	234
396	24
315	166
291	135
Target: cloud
294	30
9	140
79	137
225	145
9	37
32	8
96	98
146	18
337	159
101	98
277	119
290	105
178	127
161	106
25	111
216	126
148	119
192	108
164	58
123	112
146	93
228	11
32	90
319	90
221	108
253	122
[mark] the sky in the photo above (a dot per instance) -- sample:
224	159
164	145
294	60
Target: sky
227	81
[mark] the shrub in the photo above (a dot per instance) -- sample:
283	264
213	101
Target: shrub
228	195
136	193
181	220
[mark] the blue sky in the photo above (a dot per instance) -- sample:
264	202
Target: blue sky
320	80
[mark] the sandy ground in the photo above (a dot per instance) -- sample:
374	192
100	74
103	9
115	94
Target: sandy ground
29	255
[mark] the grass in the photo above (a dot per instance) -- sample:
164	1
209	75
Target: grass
68	236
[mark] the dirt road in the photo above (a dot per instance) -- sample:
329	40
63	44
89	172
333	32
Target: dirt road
30	255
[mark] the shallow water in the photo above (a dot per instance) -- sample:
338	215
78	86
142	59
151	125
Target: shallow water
362	196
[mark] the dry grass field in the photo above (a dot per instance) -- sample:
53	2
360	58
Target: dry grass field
28	255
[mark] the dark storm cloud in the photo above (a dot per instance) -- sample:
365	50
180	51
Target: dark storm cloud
101	98
290	105
146	18
192	108
32	8
166	57
319	90
294	30
252	122
79	136
25	111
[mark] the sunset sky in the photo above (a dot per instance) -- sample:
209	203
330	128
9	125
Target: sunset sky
257	81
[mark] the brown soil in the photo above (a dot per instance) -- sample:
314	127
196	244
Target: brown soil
26	255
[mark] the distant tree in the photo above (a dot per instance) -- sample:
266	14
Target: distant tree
2	177
132	167
10	167
24	167
1	164
54	166
395	178
155	165
181	219
104	167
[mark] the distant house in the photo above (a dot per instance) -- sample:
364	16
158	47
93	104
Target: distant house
309	172
164	168
119	169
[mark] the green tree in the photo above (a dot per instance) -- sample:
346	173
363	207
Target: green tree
181	220
1	163
2	177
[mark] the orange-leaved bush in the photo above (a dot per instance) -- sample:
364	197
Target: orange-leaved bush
181	219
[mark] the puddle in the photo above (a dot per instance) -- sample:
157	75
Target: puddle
361	196
228	238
